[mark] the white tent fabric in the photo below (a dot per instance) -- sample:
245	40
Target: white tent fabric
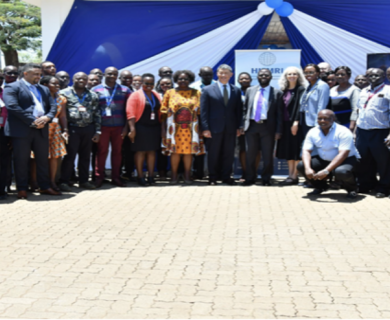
205	50
336	46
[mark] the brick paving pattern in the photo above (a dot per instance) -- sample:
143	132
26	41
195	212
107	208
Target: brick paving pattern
195	252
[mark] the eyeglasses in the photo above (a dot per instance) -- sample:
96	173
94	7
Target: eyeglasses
12	73
309	73
149	83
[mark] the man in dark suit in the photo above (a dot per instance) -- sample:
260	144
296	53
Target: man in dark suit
30	107
263	119
221	117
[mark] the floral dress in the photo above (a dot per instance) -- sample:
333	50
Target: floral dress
182	108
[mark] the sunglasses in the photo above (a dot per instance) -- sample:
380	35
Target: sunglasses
12	73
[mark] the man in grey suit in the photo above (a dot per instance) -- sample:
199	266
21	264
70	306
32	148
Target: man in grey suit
221	116
263	119
30	108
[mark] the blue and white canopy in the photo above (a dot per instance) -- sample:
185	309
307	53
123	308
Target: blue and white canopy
143	36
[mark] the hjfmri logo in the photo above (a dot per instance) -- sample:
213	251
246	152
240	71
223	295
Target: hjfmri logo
267	59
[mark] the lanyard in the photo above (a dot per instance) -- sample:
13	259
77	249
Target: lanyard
109	100
307	94
78	98
153	105
373	94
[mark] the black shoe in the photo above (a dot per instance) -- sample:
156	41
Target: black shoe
151	181
3	196
267	183
248	183
316	192
142	182
352	195
212	182
289	182
365	191
380	195
307	185
229	182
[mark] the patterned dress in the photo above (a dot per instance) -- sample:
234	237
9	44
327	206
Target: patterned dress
182	108
56	141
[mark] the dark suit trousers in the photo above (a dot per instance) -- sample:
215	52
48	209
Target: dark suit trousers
127	157
5	155
220	154
344	173
258	135
375	157
35	141
80	142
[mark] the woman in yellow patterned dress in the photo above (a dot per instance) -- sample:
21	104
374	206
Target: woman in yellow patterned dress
58	128
180	110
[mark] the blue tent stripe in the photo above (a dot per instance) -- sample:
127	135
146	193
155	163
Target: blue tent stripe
251	40
367	19
298	41
98	34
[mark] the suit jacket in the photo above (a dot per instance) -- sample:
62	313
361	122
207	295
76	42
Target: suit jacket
217	117
294	103
20	105
275	109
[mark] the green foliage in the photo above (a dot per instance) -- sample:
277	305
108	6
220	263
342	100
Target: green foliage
20	26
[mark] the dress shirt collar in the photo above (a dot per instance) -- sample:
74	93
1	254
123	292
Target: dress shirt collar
108	87
377	87
28	84
266	89
221	85
330	129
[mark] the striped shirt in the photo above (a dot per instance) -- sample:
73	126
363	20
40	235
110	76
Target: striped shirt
376	114
117	106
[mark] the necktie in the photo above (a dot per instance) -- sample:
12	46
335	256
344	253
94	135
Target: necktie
259	105
225	95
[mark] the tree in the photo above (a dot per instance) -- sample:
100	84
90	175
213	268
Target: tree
20	29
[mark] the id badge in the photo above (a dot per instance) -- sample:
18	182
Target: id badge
1	120
108	112
82	109
152	116
55	120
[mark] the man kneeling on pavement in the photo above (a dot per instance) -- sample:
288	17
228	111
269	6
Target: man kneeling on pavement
329	149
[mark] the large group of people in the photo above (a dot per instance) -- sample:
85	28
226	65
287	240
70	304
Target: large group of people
334	133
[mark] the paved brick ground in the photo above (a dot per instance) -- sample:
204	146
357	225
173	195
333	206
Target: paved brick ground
195	252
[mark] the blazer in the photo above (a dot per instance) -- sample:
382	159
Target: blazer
20	106
135	105
217	117
294	103
275	109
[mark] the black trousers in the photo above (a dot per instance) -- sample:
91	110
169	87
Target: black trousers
80	142
303	126
375	158
345	173
38	143
199	166
220	145
127	157
258	135
5	156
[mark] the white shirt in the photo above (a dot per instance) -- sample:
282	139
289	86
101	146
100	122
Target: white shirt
199	85
38	109
328	146
264	107
227	87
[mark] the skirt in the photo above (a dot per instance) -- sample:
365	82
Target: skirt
289	146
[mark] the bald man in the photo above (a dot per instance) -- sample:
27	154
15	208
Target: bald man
324	68
126	79
329	148
373	135
112	103
84	127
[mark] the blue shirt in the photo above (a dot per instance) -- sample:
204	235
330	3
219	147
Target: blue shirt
339	138
264	107
221	87
314	99
376	115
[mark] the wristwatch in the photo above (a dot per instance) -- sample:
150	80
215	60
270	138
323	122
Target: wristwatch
99	132
325	171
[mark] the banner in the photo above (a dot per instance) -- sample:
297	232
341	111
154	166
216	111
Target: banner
252	61
276	61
